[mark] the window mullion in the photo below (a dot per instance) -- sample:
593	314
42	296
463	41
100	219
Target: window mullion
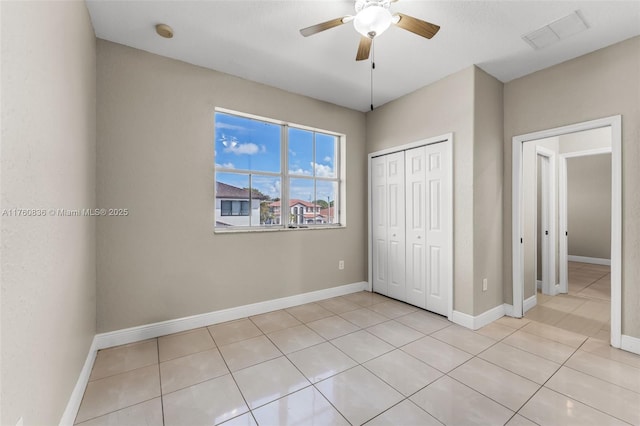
250	199
284	176
315	185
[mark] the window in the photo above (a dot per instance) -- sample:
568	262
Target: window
274	175
234	208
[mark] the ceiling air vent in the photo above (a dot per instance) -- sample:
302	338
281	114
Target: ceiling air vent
556	31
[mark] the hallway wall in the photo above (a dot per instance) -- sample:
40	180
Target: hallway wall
48	162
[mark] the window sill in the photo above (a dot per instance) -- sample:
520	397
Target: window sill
276	229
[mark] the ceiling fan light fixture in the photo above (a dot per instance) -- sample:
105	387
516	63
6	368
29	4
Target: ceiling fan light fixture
372	21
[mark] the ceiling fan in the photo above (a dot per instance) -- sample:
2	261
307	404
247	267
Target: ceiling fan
372	18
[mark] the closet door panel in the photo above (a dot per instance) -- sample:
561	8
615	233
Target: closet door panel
396	225
438	217
379	224
415	175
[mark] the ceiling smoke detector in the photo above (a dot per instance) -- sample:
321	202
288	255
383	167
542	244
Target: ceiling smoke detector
164	30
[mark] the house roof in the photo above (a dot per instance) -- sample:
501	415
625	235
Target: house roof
224	190
327	212
293	202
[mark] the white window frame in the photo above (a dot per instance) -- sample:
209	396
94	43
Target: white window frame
285	213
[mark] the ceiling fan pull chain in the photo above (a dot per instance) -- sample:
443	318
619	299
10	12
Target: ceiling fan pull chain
373	67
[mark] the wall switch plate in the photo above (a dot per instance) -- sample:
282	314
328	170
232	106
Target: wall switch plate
341	264
484	284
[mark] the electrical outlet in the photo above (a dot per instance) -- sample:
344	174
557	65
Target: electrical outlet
20	422
484	284
341	264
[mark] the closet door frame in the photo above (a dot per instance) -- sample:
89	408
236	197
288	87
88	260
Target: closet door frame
447	139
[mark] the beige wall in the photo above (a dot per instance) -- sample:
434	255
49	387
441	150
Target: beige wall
600	84
48	161
589	206
590	228
155	157
487	191
468	104
443	107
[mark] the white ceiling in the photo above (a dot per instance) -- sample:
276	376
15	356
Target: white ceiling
259	40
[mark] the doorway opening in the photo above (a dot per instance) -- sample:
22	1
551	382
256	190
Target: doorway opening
524	232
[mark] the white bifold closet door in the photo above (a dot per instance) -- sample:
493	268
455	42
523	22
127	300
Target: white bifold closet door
411	222
388	225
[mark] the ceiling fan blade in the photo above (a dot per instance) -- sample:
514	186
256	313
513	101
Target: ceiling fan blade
363	48
417	26
314	29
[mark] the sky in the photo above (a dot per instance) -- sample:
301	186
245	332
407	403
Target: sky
252	145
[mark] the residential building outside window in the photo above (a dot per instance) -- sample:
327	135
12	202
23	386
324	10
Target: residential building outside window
263	164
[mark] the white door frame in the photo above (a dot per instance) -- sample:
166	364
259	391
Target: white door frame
548	221
448	139
615	122
562	211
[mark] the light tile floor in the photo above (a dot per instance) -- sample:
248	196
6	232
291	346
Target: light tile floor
586	309
359	359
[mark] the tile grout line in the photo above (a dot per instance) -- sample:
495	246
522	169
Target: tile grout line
311	384
160	379
358	364
600	378
234	381
408	397
567	396
475	390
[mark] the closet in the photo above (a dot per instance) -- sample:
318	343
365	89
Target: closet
411	225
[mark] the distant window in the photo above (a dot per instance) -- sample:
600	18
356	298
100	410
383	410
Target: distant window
263	168
235	208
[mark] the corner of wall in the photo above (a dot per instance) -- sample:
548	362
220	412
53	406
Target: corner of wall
488	135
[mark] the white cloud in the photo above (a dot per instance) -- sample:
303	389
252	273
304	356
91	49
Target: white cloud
299	171
292	152
244	148
328	159
226	165
322	170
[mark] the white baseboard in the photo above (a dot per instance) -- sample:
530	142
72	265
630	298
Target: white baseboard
593	260
529	303
462	319
631	344
135	334
479	321
508	309
71	411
